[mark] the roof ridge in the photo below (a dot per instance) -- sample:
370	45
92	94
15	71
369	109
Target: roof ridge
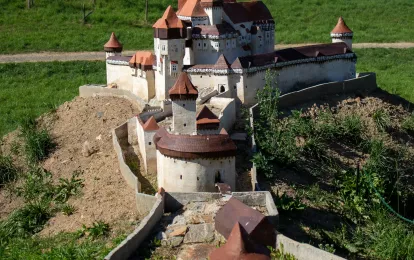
183	86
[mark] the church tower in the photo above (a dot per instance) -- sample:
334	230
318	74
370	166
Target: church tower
342	33
169	44
113	47
183	96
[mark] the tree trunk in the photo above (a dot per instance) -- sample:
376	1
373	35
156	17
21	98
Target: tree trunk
146	11
29	3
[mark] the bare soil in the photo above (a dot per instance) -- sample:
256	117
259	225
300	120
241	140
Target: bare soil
105	195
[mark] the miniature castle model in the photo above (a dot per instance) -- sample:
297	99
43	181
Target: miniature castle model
225	48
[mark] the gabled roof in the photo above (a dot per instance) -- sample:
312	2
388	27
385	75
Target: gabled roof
205	116
341	27
253	11
236	247
222	63
143	59
183	88
150	125
237	64
223	131
169	20
113	44
192	8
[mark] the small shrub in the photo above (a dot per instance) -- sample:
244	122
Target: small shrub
98	229
408	124
286	203
38	142
351	128
37	186
8	172
280	254
67	188
381	119
68	209
328	248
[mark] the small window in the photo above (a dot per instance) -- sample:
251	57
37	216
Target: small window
183	105
149	143
185	125
235	87
246	86
198	179
181	177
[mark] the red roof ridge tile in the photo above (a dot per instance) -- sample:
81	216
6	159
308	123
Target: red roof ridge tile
183	87
113	44
341	27
169	20
151	124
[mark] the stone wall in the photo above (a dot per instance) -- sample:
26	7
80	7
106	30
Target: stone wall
184	116
147	147
228	111
101	90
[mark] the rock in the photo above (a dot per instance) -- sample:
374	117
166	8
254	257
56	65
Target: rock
161	236
87	149
199	233
178	220
197	219
172	241
212	208
177	231
99	137
197	251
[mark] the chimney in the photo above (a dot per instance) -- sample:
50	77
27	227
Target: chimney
181	3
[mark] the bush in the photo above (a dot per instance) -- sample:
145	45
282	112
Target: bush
381	119
8	172
38	142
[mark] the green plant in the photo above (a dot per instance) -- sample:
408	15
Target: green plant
8	172
408	124
38	142
97	230
382	119
287	203
15	148
36	186
67	209
328	248
351	128
67	188
280	254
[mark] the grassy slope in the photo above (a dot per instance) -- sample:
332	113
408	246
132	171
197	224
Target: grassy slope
56	25
35	88
393	67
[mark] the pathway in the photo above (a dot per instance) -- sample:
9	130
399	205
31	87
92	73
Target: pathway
92	56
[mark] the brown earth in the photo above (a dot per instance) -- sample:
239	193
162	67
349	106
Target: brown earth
105	195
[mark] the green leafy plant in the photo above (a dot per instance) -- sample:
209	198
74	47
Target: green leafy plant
38	142
408	124
97	230
67	188
382	119
287	203
8	172
328	248
351	128
280	254
36	186
67	209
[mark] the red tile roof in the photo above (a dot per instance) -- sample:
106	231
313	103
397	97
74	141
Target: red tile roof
150	125
236	247
183	88
113	44
142	59
216	30
253	11
205	116
223	132
222	63
194	146
341	27
192	8
169	20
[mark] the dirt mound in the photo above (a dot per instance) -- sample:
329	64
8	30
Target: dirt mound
105	195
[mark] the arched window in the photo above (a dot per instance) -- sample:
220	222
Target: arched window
217	177
222	89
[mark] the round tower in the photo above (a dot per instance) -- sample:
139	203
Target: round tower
342	33
113	47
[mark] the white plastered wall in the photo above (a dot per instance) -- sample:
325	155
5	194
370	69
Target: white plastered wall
147	149
119	74
228	111
198	175
184	116
143	84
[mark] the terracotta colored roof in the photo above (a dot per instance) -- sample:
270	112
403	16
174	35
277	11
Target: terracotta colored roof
223	132
113	44
183	88
192	8
237	64
150	125
181	4
341	27
222	63
255	11
169	20
217	29
143	59
194	146
211	3
257	226
205	116
235	247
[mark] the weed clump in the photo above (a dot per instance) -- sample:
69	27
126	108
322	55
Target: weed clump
8	172
38	142
382	119
97	230
408	124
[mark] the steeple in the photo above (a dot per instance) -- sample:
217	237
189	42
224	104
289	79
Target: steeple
183	88
342	33
113	47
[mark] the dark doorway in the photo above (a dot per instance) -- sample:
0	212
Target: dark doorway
217	177
222	89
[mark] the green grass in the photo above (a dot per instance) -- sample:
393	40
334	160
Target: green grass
393	68
31	89
57	25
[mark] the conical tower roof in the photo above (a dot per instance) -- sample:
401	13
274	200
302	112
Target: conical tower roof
222	63
341	27
113	44
169	20
183	88
150	125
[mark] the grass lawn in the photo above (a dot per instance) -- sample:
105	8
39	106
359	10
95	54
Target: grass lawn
31	89
57	25
394	69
